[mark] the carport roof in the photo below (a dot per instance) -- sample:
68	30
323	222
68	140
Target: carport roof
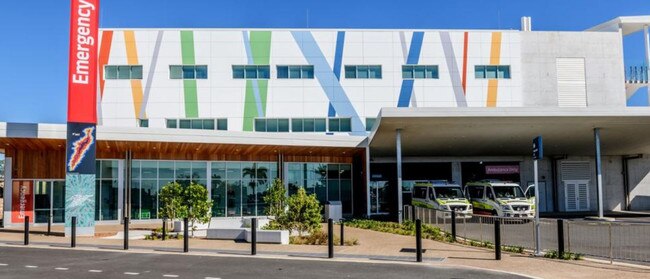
435	132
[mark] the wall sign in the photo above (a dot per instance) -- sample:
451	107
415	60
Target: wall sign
22	201
505	169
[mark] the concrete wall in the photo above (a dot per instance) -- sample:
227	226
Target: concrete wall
603	53
613	194
545	177
639	181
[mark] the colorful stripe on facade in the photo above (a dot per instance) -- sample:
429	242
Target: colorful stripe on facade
189	85
338	59
495	58
104	53
412	59
136	84
452	69
152	70
465	48
258	50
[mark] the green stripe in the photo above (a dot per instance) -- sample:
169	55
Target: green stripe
189	85
260	44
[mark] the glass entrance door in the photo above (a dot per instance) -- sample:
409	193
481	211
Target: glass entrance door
49	199
378	197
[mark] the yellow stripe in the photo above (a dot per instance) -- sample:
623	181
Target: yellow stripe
136	84
495	57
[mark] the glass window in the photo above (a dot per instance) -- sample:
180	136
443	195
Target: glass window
218	195
234	200
362	71
166	170
184	124
319	125
251	72
491	72
370	121
296	125
407	72
334	124
199	171
197	124
263	72
110	72
346	125
308	125
333	190
283	125
201	72
172	123
283	71
123	72
188	72
208	124
218	170
175	72
271	125
431	72
350	72
374	71
233	170
238	72
479	72
149	169
183	171
260	125
503	72
307	72
418	72
222	124
136	72
149	199
143	123
109	169
294	71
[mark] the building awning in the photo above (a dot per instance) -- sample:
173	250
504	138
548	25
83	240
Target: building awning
445	132
628	24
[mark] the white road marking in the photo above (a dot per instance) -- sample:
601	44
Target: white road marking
61	268
170	275
31	266
94	270
131	273
3	264
212	278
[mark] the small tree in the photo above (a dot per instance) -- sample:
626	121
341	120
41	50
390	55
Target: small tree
303	212
171	199
198	204
276	199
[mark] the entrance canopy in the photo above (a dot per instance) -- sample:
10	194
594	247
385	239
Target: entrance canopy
627	24
510	131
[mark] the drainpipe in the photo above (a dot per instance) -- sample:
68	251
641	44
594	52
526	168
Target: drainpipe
626	181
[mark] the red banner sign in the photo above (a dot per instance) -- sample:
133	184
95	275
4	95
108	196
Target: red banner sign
82	69
22	201
513	169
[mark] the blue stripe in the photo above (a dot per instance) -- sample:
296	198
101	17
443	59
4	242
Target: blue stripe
328	81
338	58
412	59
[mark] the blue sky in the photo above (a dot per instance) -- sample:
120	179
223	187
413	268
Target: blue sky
33	50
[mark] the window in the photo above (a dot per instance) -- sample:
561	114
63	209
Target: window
122	72
296	72
420	192
198	124
419	71
340	125
308	125
475	192
492	71
370	121
143	123
271	125
251	71
363	71
188	72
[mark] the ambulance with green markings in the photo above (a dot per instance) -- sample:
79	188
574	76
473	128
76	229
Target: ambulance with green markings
441	195
499	198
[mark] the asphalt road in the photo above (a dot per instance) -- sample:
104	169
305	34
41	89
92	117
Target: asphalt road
23	262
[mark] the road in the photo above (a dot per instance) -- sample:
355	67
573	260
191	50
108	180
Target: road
24	262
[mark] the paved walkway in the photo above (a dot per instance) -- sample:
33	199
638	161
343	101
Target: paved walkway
373	245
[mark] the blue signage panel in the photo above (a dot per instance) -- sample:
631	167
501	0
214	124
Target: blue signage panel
538	148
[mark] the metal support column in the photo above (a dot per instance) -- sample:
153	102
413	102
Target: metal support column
599	174
368	194
646	40
398	144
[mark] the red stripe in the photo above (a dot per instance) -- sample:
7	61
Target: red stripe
465	63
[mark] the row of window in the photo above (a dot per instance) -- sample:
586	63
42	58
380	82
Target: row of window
302	72
303	124
220	124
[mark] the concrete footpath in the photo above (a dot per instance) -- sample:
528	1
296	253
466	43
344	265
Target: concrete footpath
373	246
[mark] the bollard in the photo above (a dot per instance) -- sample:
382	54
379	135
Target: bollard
254	236
560	238
186	236
497	239
26	231
49	225
342	233
73	231
330	238
453	225
418	240
126	233
164	229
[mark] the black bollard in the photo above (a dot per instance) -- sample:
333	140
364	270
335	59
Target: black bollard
26	231
254	236
49	225
126	233
73	231
186	236
342	233
164	229
497	239
453	225
418	240
330	238
560	238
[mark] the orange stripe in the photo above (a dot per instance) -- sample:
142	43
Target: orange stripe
465	64
495	57
136	84
104	52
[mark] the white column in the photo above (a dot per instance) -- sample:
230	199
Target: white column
368	194
7	192
646	39
398	144
599	175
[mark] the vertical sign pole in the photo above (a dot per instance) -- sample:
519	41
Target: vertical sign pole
538	153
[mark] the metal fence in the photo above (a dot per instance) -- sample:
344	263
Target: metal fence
627	241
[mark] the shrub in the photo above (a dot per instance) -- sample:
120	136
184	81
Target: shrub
191	202
303	214
552	254
276	198
406	228
320	238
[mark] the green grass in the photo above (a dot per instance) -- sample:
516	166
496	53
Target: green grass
406	228
552	254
